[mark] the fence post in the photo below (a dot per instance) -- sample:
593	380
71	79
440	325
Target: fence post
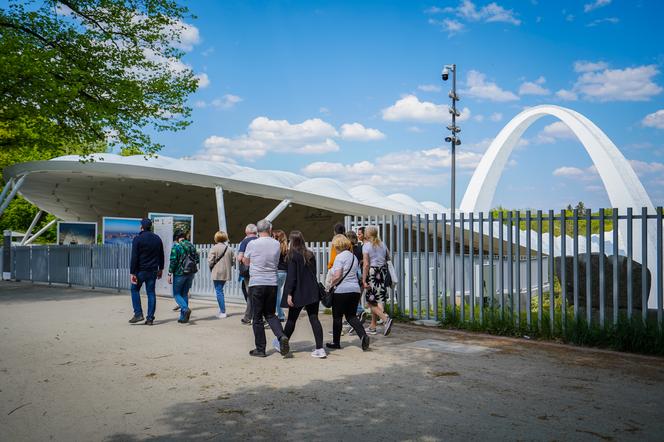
616	305
529	288
419	267
589	275
443	243
575	271
540	271
481	251
471	256
552	274
426	264
660	278
517	278
7	255
462	253
644	264
563	268
602	282
492	289
435	265
630	288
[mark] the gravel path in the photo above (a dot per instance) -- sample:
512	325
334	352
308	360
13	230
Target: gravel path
72	368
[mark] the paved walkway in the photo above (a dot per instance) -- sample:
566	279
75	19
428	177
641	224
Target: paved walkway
71	368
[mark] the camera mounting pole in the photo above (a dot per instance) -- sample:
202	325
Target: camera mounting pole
454	141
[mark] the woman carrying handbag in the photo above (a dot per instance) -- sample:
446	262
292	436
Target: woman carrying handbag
301	291
346	295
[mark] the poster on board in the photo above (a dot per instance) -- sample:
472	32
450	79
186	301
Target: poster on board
180	221
73	233
163	228
120	230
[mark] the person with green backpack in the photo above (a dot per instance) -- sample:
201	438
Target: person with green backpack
183	266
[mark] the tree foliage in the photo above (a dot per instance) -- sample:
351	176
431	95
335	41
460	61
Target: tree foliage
80	73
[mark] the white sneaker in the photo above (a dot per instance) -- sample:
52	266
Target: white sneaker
221	315
276	344
319	353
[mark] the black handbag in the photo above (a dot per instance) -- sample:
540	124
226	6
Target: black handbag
326	296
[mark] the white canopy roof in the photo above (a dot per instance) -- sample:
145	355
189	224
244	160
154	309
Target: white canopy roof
322	193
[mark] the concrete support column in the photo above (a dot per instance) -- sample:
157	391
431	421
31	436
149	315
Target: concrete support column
277	210
32	226
221	210
41	231
6	189
12	194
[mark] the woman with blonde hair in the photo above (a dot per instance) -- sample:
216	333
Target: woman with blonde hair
346	292
221	259
282	269
374	274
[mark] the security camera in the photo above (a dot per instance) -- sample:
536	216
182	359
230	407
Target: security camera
458	142
448	139
446	73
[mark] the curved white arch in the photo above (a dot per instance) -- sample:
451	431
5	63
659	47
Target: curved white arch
620	181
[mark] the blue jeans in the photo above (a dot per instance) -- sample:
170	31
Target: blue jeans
219	290
181	287
150	279
281	280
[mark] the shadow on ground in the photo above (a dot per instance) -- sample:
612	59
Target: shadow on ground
426	398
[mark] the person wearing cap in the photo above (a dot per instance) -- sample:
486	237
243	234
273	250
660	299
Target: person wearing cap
147	265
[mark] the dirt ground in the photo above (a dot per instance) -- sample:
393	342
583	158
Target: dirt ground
72	368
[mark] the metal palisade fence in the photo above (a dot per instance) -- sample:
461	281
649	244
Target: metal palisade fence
107	266
529	269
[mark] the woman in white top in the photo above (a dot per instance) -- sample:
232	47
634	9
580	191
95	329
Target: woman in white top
374	274
346	292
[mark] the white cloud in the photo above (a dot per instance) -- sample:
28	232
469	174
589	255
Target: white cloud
492	12
404	169
644	167
313	136
479	87
597	82
356	131
469	12
589	66
629	84
595	5
324	110
478	118
264	135
414	129
656	119
534	87
553	132
496	116
577	173
226	102
203	80
566	95
410	108
188	35
451	26
429	88
599	21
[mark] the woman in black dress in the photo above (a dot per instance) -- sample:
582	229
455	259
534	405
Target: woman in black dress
301	290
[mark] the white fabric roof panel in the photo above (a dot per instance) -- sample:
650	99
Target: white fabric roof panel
323	193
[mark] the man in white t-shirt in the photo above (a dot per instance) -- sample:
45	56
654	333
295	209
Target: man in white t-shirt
262	257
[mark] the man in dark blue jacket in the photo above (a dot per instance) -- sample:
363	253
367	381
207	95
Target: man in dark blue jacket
147	265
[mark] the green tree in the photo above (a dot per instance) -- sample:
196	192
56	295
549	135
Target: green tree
79	73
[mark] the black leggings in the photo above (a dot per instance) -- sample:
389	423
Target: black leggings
345	304
312	311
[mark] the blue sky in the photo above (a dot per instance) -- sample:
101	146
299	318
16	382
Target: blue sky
352	90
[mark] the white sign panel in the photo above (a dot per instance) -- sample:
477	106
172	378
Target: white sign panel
163	228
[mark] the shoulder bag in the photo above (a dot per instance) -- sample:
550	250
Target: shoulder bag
216	261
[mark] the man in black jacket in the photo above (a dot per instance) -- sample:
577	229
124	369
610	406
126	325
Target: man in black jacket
147	265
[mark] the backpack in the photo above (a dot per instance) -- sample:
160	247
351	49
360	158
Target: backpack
189	266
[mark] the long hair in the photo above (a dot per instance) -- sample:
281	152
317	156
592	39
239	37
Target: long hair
280	236
297	245
371	234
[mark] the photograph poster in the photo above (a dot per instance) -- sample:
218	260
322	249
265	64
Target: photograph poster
120	231
77	233
163	228
180	221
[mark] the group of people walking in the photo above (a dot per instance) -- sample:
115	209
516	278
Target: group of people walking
278	280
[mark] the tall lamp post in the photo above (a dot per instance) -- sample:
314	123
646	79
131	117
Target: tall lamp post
454	141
